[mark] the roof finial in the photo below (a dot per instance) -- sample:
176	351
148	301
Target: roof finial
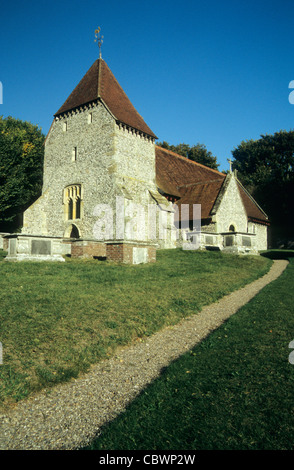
230	162
99	40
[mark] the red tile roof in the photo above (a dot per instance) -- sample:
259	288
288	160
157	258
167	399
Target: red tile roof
100	83
194	183
204	194
174	171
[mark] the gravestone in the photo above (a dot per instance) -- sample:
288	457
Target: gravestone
246	241
209	240
41	247
229	240
140	255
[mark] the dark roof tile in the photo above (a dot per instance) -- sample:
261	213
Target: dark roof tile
252	208
100	83
194	183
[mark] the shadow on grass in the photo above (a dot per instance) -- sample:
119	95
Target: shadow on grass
3	254
278	254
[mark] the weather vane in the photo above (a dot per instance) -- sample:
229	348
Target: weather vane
99	40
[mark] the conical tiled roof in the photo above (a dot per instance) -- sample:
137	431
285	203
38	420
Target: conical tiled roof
100	84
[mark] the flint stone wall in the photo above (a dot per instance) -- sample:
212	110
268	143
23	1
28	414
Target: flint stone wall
112	160
231	210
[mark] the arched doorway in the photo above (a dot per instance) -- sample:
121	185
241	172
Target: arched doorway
232	228
72	231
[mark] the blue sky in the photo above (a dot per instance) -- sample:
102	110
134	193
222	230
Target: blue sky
209	72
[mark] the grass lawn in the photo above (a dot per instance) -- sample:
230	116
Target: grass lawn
234	391
56	319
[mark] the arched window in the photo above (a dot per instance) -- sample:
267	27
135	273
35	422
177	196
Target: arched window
78	207
70	208
232	228
73	202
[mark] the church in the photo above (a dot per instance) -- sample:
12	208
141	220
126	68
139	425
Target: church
109	192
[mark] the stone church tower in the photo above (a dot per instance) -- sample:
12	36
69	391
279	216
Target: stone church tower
99	153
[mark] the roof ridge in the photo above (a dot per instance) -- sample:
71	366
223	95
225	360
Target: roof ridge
190	161
99	77
127	98
197	183
119	86
73	101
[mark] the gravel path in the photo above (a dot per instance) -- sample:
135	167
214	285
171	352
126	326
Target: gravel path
70	415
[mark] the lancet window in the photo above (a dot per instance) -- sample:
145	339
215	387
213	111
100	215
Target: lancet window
73	202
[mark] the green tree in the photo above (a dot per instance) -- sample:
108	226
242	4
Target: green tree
266	167
198	153
21	168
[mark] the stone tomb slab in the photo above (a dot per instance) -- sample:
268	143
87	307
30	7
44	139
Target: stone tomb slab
140	255
41	247
34	248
